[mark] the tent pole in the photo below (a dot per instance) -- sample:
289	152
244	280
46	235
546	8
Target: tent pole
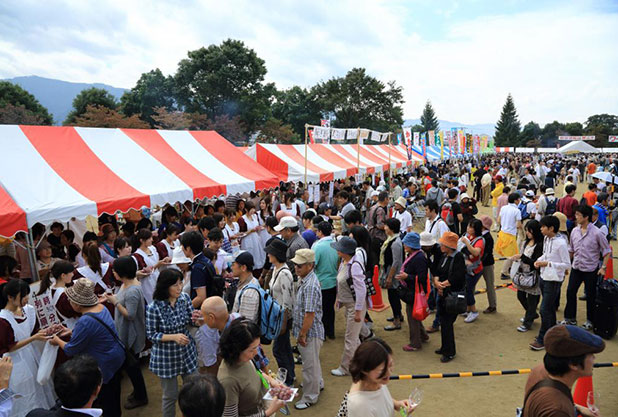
390	174
358	151
305	156
32	255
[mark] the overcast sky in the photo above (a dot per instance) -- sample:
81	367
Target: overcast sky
559	59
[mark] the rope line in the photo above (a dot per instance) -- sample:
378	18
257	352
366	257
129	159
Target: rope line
485	373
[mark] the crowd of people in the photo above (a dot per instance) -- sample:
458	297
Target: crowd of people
195	293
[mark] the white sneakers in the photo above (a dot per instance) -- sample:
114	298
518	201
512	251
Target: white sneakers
338	372
587	325
472	315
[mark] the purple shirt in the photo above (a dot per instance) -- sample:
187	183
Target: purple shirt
590	246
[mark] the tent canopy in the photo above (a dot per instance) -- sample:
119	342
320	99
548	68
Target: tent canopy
326	162
577	146
57	173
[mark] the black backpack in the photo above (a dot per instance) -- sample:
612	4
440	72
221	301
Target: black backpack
551	206
218	281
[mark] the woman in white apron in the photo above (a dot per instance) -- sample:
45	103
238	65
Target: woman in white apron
265	212
166	247
17	322
62	273
97	272
148	263
252	242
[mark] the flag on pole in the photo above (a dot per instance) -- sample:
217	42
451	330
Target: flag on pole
417	140
432	140
441	139
424	144
311	137
398	140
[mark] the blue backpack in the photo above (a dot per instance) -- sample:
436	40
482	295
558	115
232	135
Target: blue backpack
523	208
270	314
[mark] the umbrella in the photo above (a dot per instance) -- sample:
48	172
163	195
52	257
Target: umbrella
606	177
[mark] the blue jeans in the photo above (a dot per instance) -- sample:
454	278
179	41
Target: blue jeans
282	351
471	281
550	291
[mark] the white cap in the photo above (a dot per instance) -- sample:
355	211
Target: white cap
286	222
529	193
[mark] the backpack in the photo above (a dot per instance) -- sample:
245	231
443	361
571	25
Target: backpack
371	290
218	280
270	314
446	213
523	208
551	206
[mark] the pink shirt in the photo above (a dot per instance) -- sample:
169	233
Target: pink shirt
503	200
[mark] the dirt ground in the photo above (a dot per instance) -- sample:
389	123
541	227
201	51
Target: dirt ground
490	343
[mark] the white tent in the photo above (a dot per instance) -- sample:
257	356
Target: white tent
578	146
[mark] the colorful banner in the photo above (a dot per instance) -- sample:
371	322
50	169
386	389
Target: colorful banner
461	141
407	134
398	140
441	139
324	122
613	138
576	137
417	140
424	144
432	140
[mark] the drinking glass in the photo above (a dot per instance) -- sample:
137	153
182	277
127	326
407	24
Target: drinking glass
415	397
592	401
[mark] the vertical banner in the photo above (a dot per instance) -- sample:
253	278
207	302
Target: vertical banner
424	144
468	143
441	138
462	141
417	140
398	140
364	135
432	140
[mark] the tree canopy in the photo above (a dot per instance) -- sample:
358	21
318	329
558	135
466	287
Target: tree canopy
508	127
20	107
90	97
359	100
152	90
101	116
296	107
429	121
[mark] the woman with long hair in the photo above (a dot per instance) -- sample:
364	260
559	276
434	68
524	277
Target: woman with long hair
371	368
472	245
109	234
148	263
531	250
266	210
63	272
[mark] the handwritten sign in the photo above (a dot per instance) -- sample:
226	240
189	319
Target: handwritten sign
45	310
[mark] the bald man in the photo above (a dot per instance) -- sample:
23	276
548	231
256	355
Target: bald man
215	318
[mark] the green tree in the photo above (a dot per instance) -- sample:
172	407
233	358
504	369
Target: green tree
101	116
574	129
530	132
508	127
274	131
15	96
550	133
152	90
601	126
296	107
429	121
93	97
359	100
418	128
226	79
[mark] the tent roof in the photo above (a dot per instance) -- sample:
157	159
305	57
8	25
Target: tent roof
578	146
57	173
326	162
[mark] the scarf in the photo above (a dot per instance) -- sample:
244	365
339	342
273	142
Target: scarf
383	248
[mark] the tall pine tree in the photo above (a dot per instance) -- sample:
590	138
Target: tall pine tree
508	127
429	121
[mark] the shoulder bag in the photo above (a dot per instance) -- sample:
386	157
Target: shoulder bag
130	360
455	301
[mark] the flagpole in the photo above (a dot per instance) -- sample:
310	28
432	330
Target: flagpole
306	155
390	175
358	151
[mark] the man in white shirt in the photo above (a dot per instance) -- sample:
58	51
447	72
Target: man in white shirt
510	223
434	223
404	216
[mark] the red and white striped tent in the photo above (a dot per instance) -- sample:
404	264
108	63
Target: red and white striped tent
504	149
327	162
57	173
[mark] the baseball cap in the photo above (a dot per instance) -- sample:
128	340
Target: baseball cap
303	256
286	222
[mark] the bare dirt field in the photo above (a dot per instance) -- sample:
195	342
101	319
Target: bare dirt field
490	343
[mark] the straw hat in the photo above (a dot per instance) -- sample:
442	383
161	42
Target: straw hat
401	201
82	293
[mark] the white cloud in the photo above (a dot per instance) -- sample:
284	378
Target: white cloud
558	64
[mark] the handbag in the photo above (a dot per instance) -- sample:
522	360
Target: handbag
526	280
130	360
455	301
420	310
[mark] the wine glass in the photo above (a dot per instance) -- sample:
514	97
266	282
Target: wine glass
415	397
592	400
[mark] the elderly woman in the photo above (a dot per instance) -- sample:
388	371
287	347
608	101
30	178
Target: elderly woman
371	368
95	334
352	296
391	258
450	277
173	349
244	384
413	275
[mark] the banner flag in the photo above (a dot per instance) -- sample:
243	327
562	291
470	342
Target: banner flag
462	141
324	122
613	138
337	134
576	137
432	140
441	138
407	135
398	140
424	144
321	133
351	134
417	140
311	140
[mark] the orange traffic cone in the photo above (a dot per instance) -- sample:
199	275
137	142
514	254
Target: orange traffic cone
582	387
609	272
376	300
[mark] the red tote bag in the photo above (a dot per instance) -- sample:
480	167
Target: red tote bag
420	310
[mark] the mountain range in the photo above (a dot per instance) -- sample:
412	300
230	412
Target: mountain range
57	96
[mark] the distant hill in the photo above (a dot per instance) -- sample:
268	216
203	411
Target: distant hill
483	128
58	95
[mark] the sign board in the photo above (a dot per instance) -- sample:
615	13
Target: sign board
576	137
45	310
613	138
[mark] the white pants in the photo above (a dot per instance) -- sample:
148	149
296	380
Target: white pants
352	332
312	370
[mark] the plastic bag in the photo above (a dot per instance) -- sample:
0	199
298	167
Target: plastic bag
420	310
46	365
549	273
514	268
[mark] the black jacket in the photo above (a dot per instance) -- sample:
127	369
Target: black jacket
457	276
55	412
